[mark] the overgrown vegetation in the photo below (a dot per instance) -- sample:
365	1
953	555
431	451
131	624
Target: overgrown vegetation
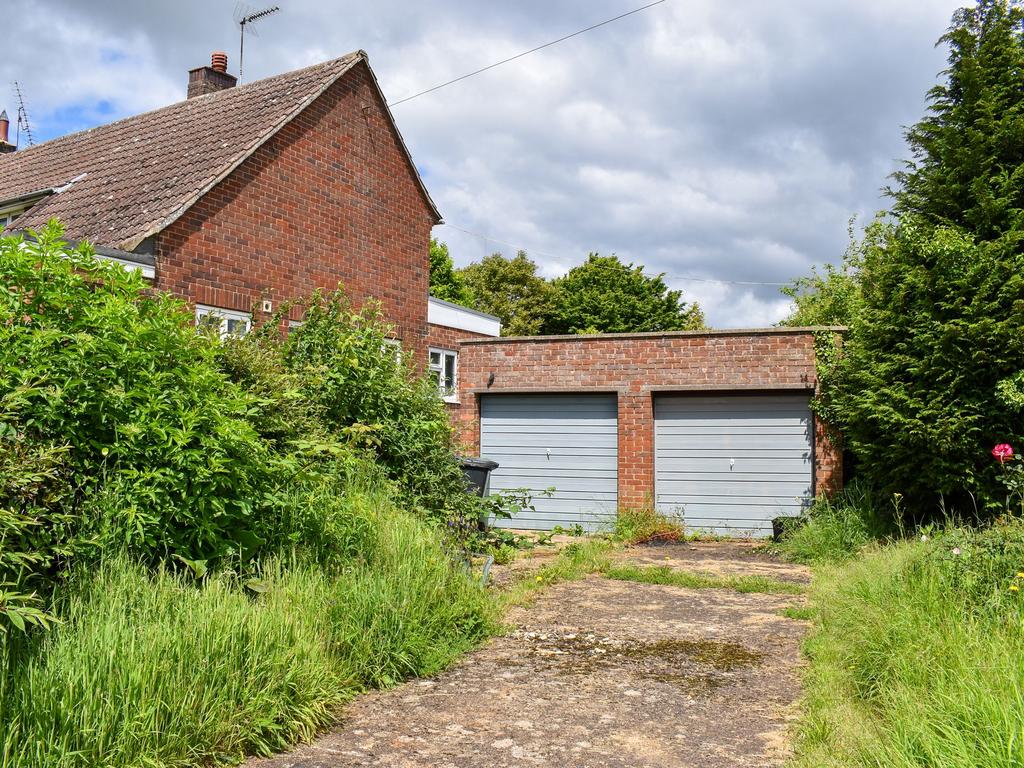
836	529
918	639
597	556
210	669
643	525
226	539
116	414
917	657
663	574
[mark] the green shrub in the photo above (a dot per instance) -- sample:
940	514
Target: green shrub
916	387
216	534
279	409
149	444
129	431
347	369
33	484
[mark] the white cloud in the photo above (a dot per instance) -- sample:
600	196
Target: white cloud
726	141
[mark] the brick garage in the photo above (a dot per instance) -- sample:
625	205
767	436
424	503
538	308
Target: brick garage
638	369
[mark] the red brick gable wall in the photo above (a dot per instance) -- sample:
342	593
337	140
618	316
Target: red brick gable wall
330	199
636	367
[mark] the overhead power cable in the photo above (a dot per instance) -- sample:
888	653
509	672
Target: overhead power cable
525	53
689	278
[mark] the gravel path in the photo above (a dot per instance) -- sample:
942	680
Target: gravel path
600	673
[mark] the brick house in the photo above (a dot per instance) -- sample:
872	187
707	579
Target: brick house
239	198
712	426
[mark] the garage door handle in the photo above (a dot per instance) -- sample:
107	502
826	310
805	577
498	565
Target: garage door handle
548	452
732	463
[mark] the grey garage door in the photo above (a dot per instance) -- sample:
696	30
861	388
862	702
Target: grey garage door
565	442
730	464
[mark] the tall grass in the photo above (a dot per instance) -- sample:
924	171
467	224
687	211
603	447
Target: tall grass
157	669
641	525
909	667
836	529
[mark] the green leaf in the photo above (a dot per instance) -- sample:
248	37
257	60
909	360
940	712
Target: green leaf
258	586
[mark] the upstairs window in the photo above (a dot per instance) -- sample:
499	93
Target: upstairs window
227	322
443	366
7	218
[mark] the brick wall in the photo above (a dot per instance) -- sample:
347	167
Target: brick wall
330	199
443	337
636	367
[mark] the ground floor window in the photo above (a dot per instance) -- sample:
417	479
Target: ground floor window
227	322
443	366
393	347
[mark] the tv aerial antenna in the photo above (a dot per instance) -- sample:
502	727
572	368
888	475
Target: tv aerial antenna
22	121
245	17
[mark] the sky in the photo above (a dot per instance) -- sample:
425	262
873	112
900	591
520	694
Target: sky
725	144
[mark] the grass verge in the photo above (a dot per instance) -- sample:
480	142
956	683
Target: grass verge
835	529
155	669
918	657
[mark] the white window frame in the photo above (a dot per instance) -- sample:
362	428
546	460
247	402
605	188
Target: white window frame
206	314
394	346
8	216
449	391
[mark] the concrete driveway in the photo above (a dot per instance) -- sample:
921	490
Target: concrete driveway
600	673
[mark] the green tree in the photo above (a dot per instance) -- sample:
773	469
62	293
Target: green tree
940	327
445	282
831	295
968	153
604	295
930	373
512	290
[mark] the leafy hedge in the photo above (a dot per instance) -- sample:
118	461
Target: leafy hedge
125	433
125	430
917	389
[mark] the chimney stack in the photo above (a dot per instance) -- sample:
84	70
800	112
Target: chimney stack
5	126
215	77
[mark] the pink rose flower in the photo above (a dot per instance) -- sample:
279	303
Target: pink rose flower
1003	451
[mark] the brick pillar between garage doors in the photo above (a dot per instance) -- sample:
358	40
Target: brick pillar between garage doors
636	449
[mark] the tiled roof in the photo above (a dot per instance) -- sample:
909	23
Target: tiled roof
125	181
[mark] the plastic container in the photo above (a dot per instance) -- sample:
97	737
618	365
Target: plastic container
478	474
